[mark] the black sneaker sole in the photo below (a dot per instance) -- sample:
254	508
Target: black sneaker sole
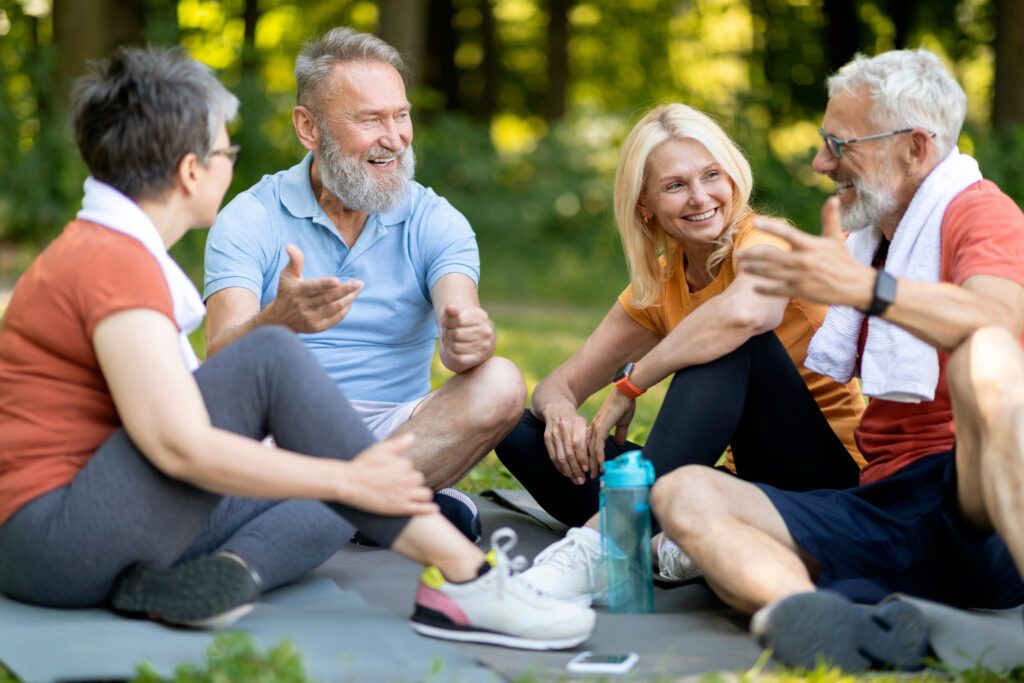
809	628
195	593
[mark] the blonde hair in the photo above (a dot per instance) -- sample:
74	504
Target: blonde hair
644	242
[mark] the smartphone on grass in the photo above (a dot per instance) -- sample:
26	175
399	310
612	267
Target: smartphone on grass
602	662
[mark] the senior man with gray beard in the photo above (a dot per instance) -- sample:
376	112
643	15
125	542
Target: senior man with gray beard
370	267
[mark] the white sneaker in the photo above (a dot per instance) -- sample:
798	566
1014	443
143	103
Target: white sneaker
673	564
499	608
572	569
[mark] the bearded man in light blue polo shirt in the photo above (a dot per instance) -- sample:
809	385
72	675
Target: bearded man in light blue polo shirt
368	266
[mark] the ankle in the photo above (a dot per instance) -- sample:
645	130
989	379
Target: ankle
462	568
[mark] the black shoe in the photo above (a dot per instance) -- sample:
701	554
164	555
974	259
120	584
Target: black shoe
212	591
806	628
456	506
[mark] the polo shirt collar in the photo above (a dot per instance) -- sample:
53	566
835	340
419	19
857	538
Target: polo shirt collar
297	196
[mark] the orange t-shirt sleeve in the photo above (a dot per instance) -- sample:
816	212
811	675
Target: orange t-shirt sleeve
126	278
649	317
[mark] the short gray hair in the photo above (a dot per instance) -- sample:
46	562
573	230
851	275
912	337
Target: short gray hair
909	89
319	56
138	113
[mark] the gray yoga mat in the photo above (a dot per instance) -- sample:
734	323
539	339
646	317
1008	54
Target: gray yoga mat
340	638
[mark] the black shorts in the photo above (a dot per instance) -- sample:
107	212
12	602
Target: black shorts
902	534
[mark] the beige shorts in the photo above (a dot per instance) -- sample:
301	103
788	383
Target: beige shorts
382	418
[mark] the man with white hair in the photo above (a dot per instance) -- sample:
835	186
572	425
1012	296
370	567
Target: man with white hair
370	267
935	254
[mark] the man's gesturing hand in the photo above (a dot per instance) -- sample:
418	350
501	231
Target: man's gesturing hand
467	337
309	305
816	269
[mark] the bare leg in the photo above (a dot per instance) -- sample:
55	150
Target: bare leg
986	381
462	421
733	534
432	540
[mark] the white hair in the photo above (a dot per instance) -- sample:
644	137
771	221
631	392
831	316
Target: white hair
909	89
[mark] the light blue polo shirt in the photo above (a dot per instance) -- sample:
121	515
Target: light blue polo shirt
383	348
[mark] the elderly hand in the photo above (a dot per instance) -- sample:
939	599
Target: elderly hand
565	434
382	481
467	337
616	411
816	269
309	305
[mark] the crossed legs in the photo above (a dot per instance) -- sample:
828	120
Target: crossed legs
457	425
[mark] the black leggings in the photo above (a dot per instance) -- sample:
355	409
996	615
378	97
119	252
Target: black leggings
753	398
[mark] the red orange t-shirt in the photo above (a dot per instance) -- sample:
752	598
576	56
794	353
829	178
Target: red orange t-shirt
55	407
982	234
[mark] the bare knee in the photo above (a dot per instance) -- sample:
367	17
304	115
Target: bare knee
686	500
498	394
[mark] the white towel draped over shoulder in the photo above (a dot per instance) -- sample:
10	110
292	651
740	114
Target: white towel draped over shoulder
104	205
896	365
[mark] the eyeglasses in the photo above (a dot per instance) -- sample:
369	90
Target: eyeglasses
835	145
230	152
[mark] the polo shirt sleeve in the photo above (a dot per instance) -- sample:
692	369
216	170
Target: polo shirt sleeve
447	243
238	248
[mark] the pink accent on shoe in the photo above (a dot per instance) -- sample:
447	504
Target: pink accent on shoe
436	600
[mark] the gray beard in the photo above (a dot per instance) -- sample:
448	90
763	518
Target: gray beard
346	177
873	203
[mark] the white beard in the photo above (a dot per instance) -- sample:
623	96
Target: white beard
355	185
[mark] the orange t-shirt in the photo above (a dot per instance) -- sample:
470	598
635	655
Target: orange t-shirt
55	407
842	404
982	234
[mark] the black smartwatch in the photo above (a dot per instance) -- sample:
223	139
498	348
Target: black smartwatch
884	293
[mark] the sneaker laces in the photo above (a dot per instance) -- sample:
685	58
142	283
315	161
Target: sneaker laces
502	541
569	553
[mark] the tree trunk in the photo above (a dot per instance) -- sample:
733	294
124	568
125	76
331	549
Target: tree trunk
1008	95
558	59
85	30
403	25
439	70
842	31
491	65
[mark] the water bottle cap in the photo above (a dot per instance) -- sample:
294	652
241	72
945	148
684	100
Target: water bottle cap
627	470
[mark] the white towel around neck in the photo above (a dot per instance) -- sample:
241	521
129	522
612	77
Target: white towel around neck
896	365
104	205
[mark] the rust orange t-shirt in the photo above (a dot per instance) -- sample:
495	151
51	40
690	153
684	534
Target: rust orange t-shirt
982	234
841	404
55	407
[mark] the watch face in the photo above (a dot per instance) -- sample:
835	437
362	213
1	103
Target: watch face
623	371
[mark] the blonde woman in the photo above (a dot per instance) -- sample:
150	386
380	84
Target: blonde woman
682	204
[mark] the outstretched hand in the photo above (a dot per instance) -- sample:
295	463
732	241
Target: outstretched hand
816	269
310	305
382	481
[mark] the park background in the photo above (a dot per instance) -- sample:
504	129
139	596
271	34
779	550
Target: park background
519	107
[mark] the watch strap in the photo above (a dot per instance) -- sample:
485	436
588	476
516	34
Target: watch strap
884	293
623	383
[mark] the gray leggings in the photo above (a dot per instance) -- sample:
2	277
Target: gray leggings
67	547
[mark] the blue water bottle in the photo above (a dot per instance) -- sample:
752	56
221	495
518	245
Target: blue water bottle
626	532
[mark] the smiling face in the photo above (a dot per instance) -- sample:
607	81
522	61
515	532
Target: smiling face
868	188
365	130
688	193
